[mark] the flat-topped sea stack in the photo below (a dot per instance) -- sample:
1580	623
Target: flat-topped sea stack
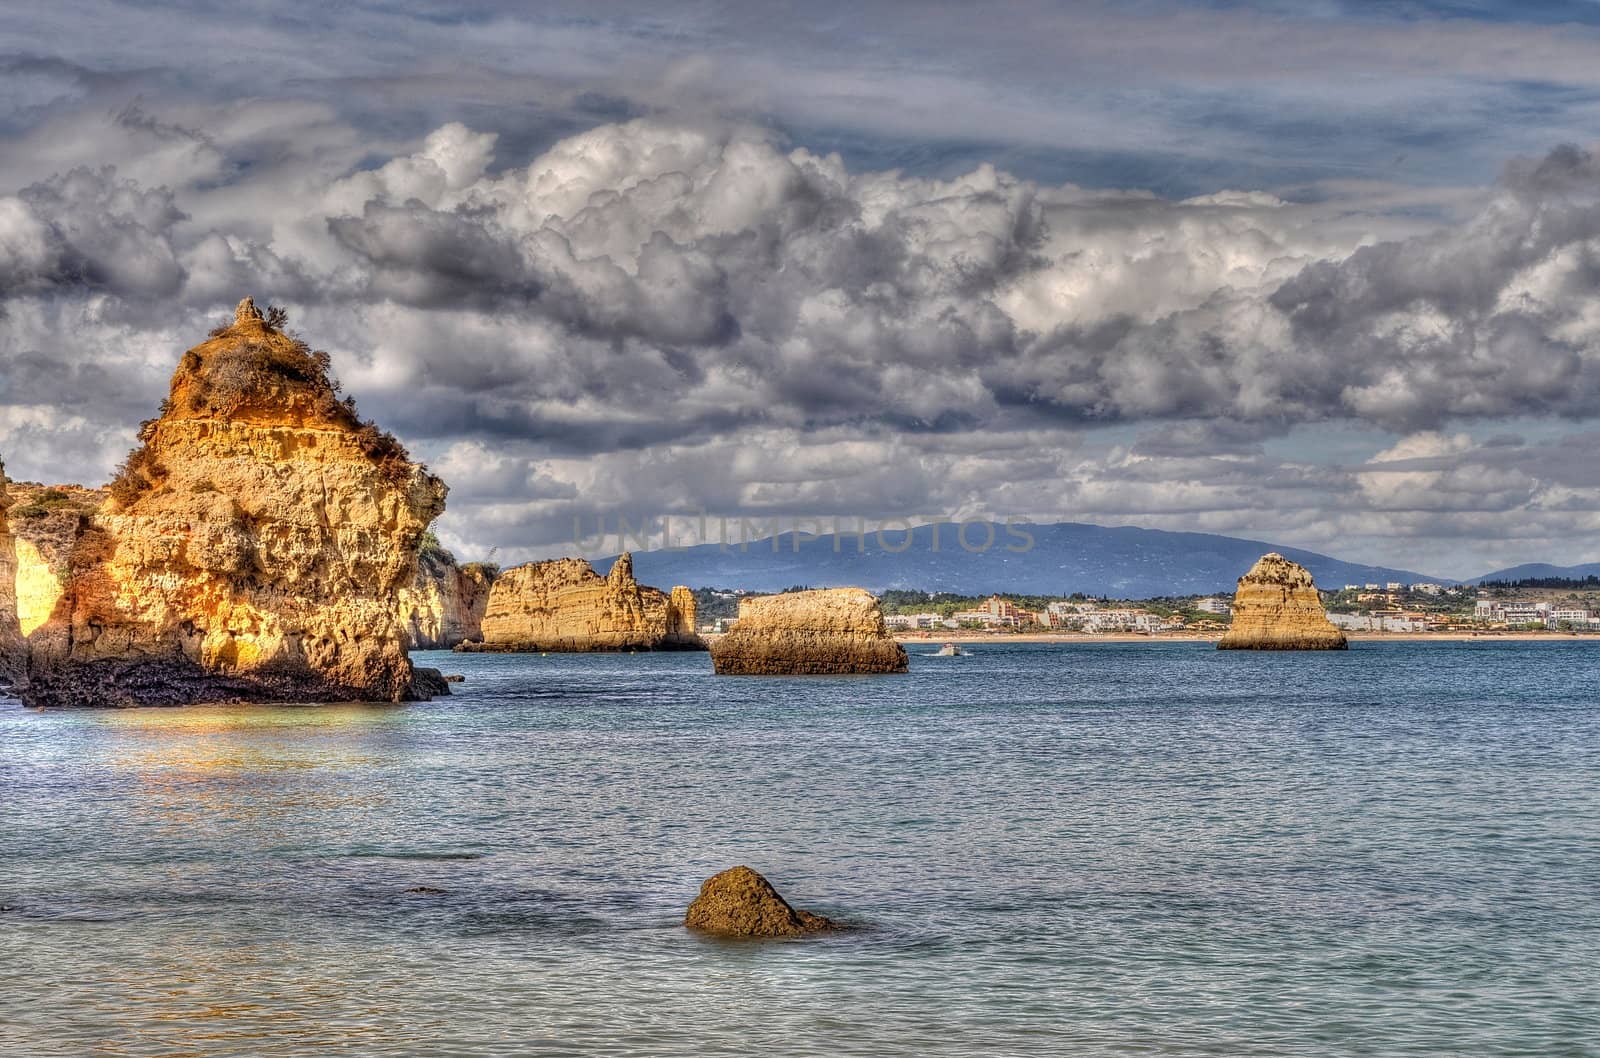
564	606
739	902
253	548
1277	607
826	631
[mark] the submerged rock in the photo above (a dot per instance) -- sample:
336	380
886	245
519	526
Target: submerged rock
253	548
822	632
565	606
1277	607
741	903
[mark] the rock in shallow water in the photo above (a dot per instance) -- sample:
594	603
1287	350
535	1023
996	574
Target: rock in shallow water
827	631
741	903
565	606
1277	608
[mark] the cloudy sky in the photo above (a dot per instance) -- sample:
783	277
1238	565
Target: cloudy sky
1326	274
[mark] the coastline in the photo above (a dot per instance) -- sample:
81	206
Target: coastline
976	638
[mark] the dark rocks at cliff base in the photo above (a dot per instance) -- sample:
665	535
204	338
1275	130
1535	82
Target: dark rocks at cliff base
741	903
431	683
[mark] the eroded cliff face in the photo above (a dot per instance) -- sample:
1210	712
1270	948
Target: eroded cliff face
821	632
445	605
564	605
254	548
1277	607
13	648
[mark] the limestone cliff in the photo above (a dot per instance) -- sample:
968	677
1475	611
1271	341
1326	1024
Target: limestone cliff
564	605
826	631
252	549
13	648
47	522
445	605
1277	607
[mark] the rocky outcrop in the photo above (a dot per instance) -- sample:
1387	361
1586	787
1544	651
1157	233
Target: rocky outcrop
445	605
822	632
253	548
740	903
1277	607
565	606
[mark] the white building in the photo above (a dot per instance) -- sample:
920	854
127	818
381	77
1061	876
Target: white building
1214	605
1379	622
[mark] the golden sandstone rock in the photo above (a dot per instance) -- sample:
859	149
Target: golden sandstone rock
253	548
1277	608
13	648
740	903
445	605
825	631
564	605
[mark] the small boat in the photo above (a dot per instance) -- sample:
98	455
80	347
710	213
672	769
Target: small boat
949	650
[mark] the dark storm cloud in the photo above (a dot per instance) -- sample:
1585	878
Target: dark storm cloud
609	260
652	281
88	229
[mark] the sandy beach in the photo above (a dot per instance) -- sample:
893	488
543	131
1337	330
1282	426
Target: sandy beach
971	638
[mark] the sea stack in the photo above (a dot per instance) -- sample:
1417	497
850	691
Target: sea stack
253	547
564	606
1277	607
740	903
827	631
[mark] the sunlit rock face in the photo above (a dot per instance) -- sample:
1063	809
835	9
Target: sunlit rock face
1277	607
13	648
564	605
445	605
254	548
822	632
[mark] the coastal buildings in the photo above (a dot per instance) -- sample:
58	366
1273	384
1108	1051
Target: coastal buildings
994	612
1087	617
1214	605
913	622
1522	613
1384	621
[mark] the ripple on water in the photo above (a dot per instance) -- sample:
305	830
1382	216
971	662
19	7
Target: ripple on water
1130	849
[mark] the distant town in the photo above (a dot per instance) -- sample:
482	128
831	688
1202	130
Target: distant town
1549	605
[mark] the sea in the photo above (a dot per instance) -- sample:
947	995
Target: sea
1076	850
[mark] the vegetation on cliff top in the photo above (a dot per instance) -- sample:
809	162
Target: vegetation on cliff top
255	363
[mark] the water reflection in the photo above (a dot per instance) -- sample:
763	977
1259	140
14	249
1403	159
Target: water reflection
1170	852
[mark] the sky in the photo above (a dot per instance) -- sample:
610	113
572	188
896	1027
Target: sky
1323	274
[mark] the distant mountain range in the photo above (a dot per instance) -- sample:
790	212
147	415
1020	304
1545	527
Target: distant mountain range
1534	570
1064	557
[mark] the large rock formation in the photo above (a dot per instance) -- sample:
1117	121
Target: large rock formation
564	605
740	903
253	548
820	632
445	605
1277	607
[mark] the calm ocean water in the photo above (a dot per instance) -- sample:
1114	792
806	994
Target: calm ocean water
1143	849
